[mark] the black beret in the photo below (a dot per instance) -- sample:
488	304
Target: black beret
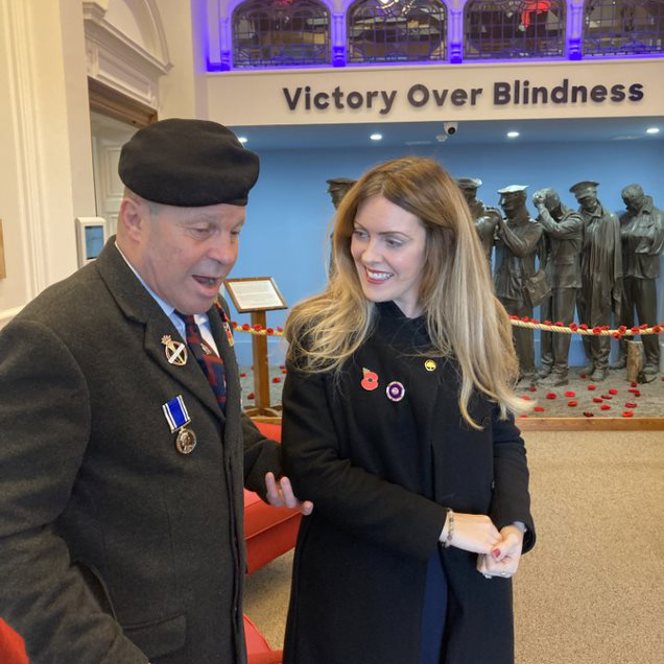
188	163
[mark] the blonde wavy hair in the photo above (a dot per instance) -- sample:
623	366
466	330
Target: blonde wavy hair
464	318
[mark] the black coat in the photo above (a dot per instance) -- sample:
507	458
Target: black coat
381	474
114	547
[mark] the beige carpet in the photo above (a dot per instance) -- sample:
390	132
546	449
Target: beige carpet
592	591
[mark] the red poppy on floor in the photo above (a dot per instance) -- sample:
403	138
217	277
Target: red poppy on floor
570	393
572	403
613	390
598	399
605	406
587	413
592	387
631	404
551	395
628	413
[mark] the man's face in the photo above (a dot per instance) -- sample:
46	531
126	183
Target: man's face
183	254
512	202
587	201
633	201
469	194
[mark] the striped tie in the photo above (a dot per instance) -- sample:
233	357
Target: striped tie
211	364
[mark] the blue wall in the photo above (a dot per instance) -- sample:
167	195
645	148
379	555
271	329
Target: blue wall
289	213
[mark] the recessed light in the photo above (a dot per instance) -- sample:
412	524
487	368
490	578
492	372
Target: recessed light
376	137
512	134
242	139
652	130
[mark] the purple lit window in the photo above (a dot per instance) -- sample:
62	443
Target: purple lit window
396	31
623	27
514	29
278	33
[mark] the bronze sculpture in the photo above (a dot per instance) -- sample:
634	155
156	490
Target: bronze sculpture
642	237
337	188
601	275
486	218
517	238
563	232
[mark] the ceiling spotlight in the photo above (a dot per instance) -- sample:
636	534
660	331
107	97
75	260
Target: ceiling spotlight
242	139
512	134
376	137
652	130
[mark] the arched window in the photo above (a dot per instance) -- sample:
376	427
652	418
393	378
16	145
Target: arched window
514	29
396	31
279	33
623	27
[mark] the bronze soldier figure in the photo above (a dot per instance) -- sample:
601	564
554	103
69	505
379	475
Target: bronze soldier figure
642	236
563	230
516	245
601	274
486	218
337	188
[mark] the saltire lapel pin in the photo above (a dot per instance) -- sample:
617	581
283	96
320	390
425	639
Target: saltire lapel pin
176	351
178	418
430	365
369	380
395	391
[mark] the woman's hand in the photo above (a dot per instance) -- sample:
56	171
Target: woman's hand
472	532
503	559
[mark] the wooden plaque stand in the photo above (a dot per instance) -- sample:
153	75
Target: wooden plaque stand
261	371
255	296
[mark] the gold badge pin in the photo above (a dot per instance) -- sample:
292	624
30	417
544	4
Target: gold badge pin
229	333
176	351
430	365
185	441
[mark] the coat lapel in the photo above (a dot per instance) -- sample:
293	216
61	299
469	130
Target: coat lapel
139	307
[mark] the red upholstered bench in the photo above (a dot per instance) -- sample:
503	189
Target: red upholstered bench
269	531
12	648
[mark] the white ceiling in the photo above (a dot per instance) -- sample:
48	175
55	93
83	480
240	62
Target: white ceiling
493	132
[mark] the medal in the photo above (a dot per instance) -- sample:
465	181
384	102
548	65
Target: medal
369	380
395	391
430	365
176	351
185	441
176	413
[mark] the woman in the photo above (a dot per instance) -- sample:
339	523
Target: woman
396	424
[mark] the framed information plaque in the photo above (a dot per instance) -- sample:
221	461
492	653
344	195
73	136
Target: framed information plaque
255	294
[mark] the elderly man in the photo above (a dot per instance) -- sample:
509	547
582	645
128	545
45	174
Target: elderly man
601	275
563	229
516	247
486	218
642	236
124	451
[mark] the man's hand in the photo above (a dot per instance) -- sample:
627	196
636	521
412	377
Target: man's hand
280	494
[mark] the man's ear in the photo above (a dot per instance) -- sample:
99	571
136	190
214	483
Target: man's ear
131	218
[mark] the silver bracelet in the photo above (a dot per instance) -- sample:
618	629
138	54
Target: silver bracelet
450	529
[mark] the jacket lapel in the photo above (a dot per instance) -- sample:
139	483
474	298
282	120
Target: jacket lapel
139	307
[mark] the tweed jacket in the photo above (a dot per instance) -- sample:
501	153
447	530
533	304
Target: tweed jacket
115	548
382	471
